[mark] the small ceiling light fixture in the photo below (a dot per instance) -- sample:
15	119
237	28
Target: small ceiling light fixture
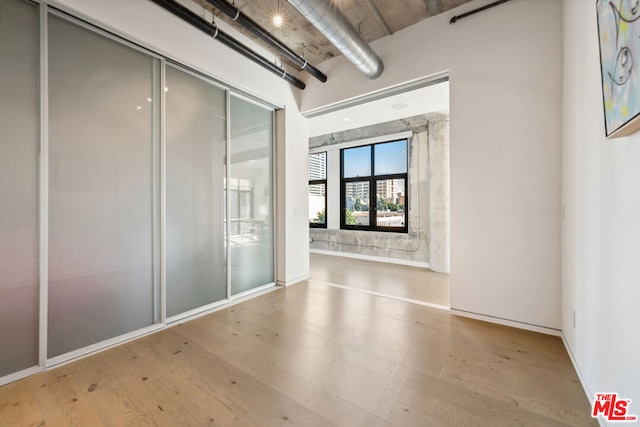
347	119
278	19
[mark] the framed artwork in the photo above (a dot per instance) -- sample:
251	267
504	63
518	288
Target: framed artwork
619	36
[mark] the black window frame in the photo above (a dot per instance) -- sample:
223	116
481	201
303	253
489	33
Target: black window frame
320	182
373	181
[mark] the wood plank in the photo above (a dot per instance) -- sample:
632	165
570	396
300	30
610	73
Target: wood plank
170	394
265	405
60	401
401	281
108	402
18	406
313	355
263	365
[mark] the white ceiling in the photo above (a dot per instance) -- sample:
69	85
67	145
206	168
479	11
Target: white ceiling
421	101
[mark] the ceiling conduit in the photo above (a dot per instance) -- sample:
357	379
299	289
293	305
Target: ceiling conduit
239	17
212	30
336	28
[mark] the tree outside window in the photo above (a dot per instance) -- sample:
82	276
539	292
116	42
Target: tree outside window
318	190
378	173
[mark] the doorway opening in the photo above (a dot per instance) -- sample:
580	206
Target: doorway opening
379	194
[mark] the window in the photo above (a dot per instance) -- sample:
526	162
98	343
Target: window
374	187
240	204
318	190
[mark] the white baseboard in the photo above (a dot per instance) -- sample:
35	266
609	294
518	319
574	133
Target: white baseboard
507	322
372	258
20	375
583	381
292	281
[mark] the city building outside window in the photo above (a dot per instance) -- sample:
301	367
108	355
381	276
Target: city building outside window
374	187
318	190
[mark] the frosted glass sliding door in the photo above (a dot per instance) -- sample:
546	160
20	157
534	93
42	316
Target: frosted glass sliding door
195	169
250	196
103	99
19	74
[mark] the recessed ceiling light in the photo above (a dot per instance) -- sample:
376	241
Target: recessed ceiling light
347	119
399	106
138	108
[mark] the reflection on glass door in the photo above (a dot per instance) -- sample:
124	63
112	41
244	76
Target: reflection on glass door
250	196
101	199
101	162
195	156
19	66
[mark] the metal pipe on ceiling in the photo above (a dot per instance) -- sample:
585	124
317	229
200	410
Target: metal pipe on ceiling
212	30
336	28
474	11
234	12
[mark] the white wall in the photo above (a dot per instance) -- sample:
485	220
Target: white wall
601	231
297	201
505	68
420	101
150	25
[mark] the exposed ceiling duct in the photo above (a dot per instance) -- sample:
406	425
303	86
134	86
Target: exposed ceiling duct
336	28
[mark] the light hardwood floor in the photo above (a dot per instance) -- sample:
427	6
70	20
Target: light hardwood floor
393	280
313	355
